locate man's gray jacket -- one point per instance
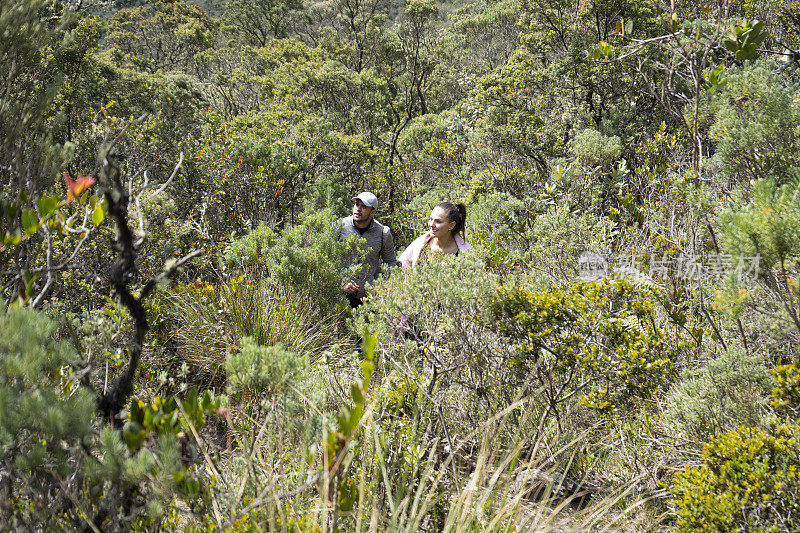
(378, 248)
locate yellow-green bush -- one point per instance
(749, 481)
(600, 340)
(786, 394)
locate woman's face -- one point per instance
(439, 224)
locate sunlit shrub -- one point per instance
(763, 238)
(307, 258)
(749, 481)
(553, 238)
(786, 393)
(595, 149)
(426, 321)
(257, 370)
(599, 340)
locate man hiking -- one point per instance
(378, 248)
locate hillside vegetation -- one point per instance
(618, 352)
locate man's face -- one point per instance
(362, 213)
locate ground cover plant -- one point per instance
(618, 351)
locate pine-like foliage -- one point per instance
(61, 467)
(43, 422)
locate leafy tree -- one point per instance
(165, 35)
(358, 24)
(39, 232)
(407, 63)
(258, 21)
(482, 37)
(30, 159)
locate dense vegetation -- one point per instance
(619, 350)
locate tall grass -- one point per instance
(515, 481)
(202, 324)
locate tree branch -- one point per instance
(122, 272)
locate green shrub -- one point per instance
(42, 425)
(249, 251)
(426, 320)
(278, 389)
(200, 324)
(726, 393)
(499, 179)
(257, 370)
(755, 123)
(305, 259)
(786, 393)
(599, 340)
(749, 481)
(63, 467)
(763, 238)
(766, 225)
(554, 238)
(595, 149)
(497, 221)
(436, 291)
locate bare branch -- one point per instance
(169, 180)
(168, 272)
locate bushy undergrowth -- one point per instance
(201, 324)
(728, 392)
(749, 481)
(62, 467)
(427, 322)
(599, 340)
(786, 393)
(305, 258)
(34, 411)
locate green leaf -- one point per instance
(190, 403)
(603, 51)
(190, 487)
(47, 205)
(744, 39)
(147, 419)
(98, 214)
(136, 413)
(355, 391)
(134, 435)
(30, 221)
(30, 279)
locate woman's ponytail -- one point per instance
(456, 212)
